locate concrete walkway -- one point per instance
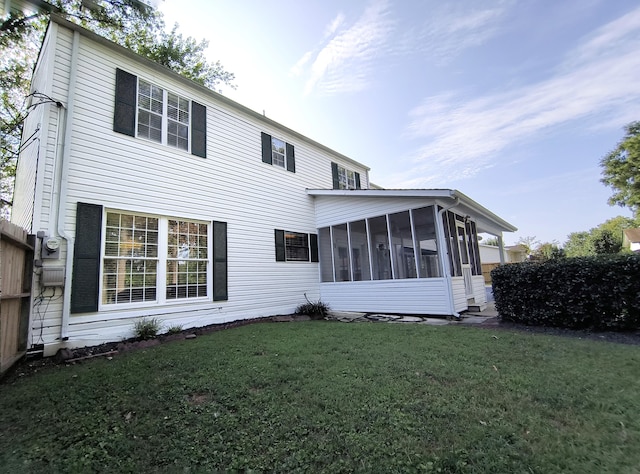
(469, 317)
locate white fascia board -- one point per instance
(490, 221)
(385, 193)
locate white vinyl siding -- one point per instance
(148, 178)
(416, 296)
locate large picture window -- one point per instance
(139, 249)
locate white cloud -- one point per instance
(345, 59)
(598, 79)
(334, 25)
(452, 27)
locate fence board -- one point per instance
(16, 259)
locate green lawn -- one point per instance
(332, 397)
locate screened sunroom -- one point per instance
(402, 251)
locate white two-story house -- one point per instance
(153, 196)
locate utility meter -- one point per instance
(51, 247)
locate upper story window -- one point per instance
(145, 110)
(163, 116)
(278, 153)
(344, 178)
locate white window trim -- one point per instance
(161, 274)
(284, 154)
(165, 116)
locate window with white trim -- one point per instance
(149, 258)
(278, 152)
(344, 178)
(187, 259)
(163, 116)
(142, 109)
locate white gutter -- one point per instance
(62, 199)
(445, 261)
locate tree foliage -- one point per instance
(547, 251)
(621, 169)
(605, 239)
(129, 23)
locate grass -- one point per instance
(330, 397)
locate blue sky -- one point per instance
(512, 102)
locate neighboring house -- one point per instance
(152, 196)
(510, 254)
(631, 239)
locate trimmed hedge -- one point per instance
(600, 293)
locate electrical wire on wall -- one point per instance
(40, 307)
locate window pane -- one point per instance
(359, 251)
(380, 258)
(129, 275)
(341, 253)
(187, 254)
(425, 232)
(278, 152)
(404, 260)
(296, 246)
(324, 248)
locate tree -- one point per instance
(603, 239)
(579, 245)
(528, 243)
(491, 241)
(547, 251)
(621, 169)
(129, 23)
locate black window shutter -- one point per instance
(313, 245)
(334, 173)
(198, 130)
(124, 116)
(281, 254)
(267, 156)
(220, 291)
(357, 180)
(291, 158)
(86, 259)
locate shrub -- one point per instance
(601, 292)
(313, 309)
(175, 329)
(147, 328)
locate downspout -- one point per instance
(62, 199)
(444, 260)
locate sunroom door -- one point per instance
(463, 248)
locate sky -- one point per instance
(512, 102)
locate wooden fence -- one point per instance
(486, 271)
(16, 267)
